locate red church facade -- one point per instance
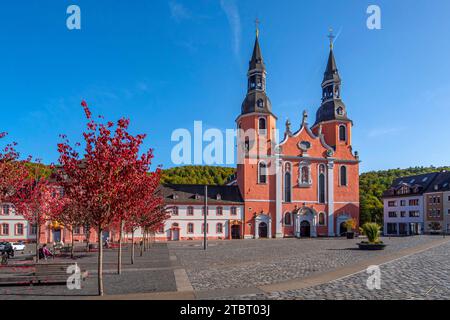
(307, 185)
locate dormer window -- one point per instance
(197, 197)
(218, 197)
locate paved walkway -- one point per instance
(275, 269)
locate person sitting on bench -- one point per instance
(45, 252)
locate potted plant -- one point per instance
(372, 231)
(350, 225)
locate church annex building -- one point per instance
(313, 191)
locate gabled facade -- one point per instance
(308, 184)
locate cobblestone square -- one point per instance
(411, 268)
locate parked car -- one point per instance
(18, 246)
(6, 247)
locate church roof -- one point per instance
(195, 194)
(257, 61)
(331, 72)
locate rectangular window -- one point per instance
(392, 203)
(392, 214)
(414, 202)
(33, 229)
(76, 230)
(6, 210)
(403, 203)
(414, 214)
(392, 228)
(175, 211)
(233, 211)
(219, 211)
(190, 211)
(5, 229)
(19, 229)
(403, 214)
(203, 228)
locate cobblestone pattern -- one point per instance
(253, 263)
(422, 276)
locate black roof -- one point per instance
(440, 183)
(257, 61)
(195, 194)
(331, 72)
(329, 111)
(251, 102)
(418, 184)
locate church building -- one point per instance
(306, 185)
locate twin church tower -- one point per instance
(307, 185)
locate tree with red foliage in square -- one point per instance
(38, 200)
(104, 178)
(13, 171)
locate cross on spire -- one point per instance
(331, 36)
(257, 22)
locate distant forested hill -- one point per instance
(373, 184)
(197, 175)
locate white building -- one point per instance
(404, 205)
(14, 227)
(186, 206)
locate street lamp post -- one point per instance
(205, 228)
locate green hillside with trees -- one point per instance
(197, 175)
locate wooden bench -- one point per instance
(39, 274)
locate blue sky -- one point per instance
(165, 64)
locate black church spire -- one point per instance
(256, 99)
(332, 107)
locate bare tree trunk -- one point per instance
(73, 242)
(119, 257)
(132, 246)
(100, 262)
(38, 233)
(88, 235)
(144, 239)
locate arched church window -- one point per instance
(305, 175)
(287, 187)
(247, 146)
(287, 219)
(321, 183)
(262, 172)
(342, 133)
(343, 175)
(322, 219)
(262, 124)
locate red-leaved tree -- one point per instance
(100, 180)
(13, 172)
(38, 200)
